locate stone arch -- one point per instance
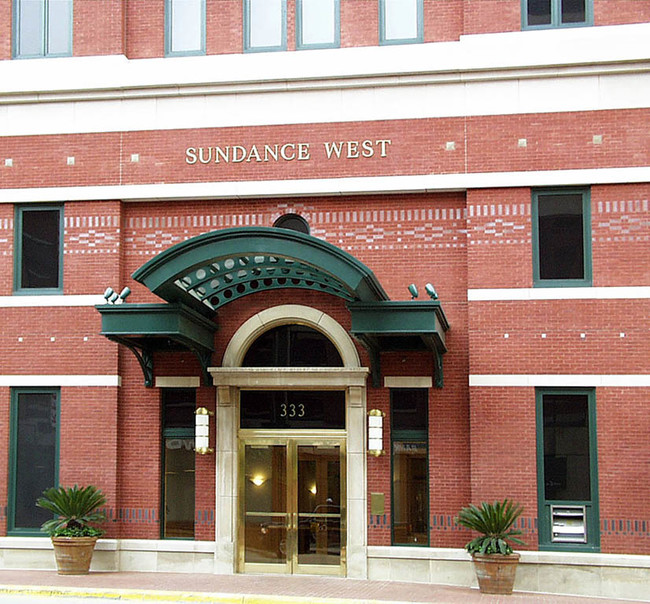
(285, 314)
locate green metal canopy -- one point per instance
(214, 269)
(199, 276)
(146, 328)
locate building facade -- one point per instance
(293, 281)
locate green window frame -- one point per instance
(251, 14)
(559, 456)
(556, 10)
(178, 462)
(182, 16)
(26, 435)
(408, 442)
(38, 261)
(574, 246)
(302, 24)
(42, 28)
(385, 9)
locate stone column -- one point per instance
(226, 483)
(357, 499)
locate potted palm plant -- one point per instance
(494, 561)
(72, 536)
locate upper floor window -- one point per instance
(265, 25)
(539, 14)
(561, 226)
(184, 27)
(38, 264)
(401, 21)
(318, 24)
(42, 28)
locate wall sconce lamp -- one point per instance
(376, 432)
(202, 431)
(258, 480)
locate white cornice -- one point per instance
(548, 50)
(370, 185)
(512, 294)
(577, 69)
(561, 380)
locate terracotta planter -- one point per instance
(73, 554)
(495, 572)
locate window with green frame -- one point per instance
(178, 406)
(544, 14)
(33, 456)
(409, 466)
(561, 229)
(184, 27)
(567, 469)
(265, 25)
(42, 28)
(401, 21)
(318, 24)
(38, 259)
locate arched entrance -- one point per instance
(202, 277)
(290, 449)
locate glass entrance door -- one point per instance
(292, 506)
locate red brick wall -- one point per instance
(623, 462)
(89, 442)
(546, 337)
(621, 234)
(554, 141)
(503, 451)
(443, 20)
(615, 12)
(139, 454)
(6, 34)
(224, 27)
(492, 16)
(145, 28)
(359, 23)
(98, 27)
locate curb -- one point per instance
(175, 596)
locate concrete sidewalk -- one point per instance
(253, 589)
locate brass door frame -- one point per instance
(291, 439)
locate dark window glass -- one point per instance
(539, 12)
(178, 407)
(292, 346)
(293, 409)
(566, 447)
(292, 222)
(561, 240)
(40, 249)
(36, 452)
(574, 11)
(178, 516)
(410, 493)
(409, 408)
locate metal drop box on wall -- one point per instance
(569, 524)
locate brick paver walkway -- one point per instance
(242, 588)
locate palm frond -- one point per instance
(495, 521)
(75, 507)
